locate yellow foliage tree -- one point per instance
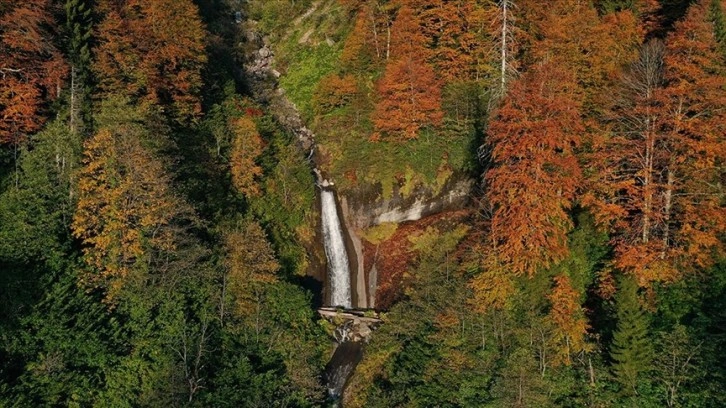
(569, 319)
(251, 265)
(246, 149)
(125, 209)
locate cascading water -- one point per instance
(338, 266)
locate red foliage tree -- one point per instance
(31, 70)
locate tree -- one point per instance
(692, 213)
(32, 70)
(535, 172)
(655, 181)
(716, 15)
(571, 33)
(675, 361)
(78, 30)
(628, 157)
(494, 286)
(409, 92)
(457, 33)
(154, 51)
(246, 149)
(360, 48)
(613, 6)
(504, 33)
(568, 317)
(252, 266)
(126, 213)
(335, 91)
(631, 349)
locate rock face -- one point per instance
(262, 78)
(421, 203)
(350, 337)
(362, 211)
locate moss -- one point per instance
(379, 233)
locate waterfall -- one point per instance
(338, 267)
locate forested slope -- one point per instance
(159, 231)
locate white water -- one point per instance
(338, 266)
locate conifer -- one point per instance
(631, 349)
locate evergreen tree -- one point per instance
(631, 350)
(612, 6)
(78, 31)
(716, 15)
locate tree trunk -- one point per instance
(503, 79)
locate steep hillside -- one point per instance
(362, 203)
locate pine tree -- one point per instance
(716, 15)
(78, 32)
(631, 349)
(612, 6)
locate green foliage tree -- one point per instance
(675, 363)
(78, 31)
(716, 15)
(631, 349)
(612, 6)
(34, 215)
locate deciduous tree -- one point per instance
(32, 68)
(153, 50)
(656, 184)
(409, 92)
(535, 172)
(247, 147)
(126, 213)
(569, 318)
(252, 268)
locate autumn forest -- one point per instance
(362, 203)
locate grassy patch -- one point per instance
(303, 73)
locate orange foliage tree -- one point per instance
(153, 50)
(594, 48)
(247, 145)
(656, 183)
(409, 92)
(31, 68)
(457, 32)
(335, 91)
(362, 47)
(693, 214)
(535, 172)
(569, 318)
